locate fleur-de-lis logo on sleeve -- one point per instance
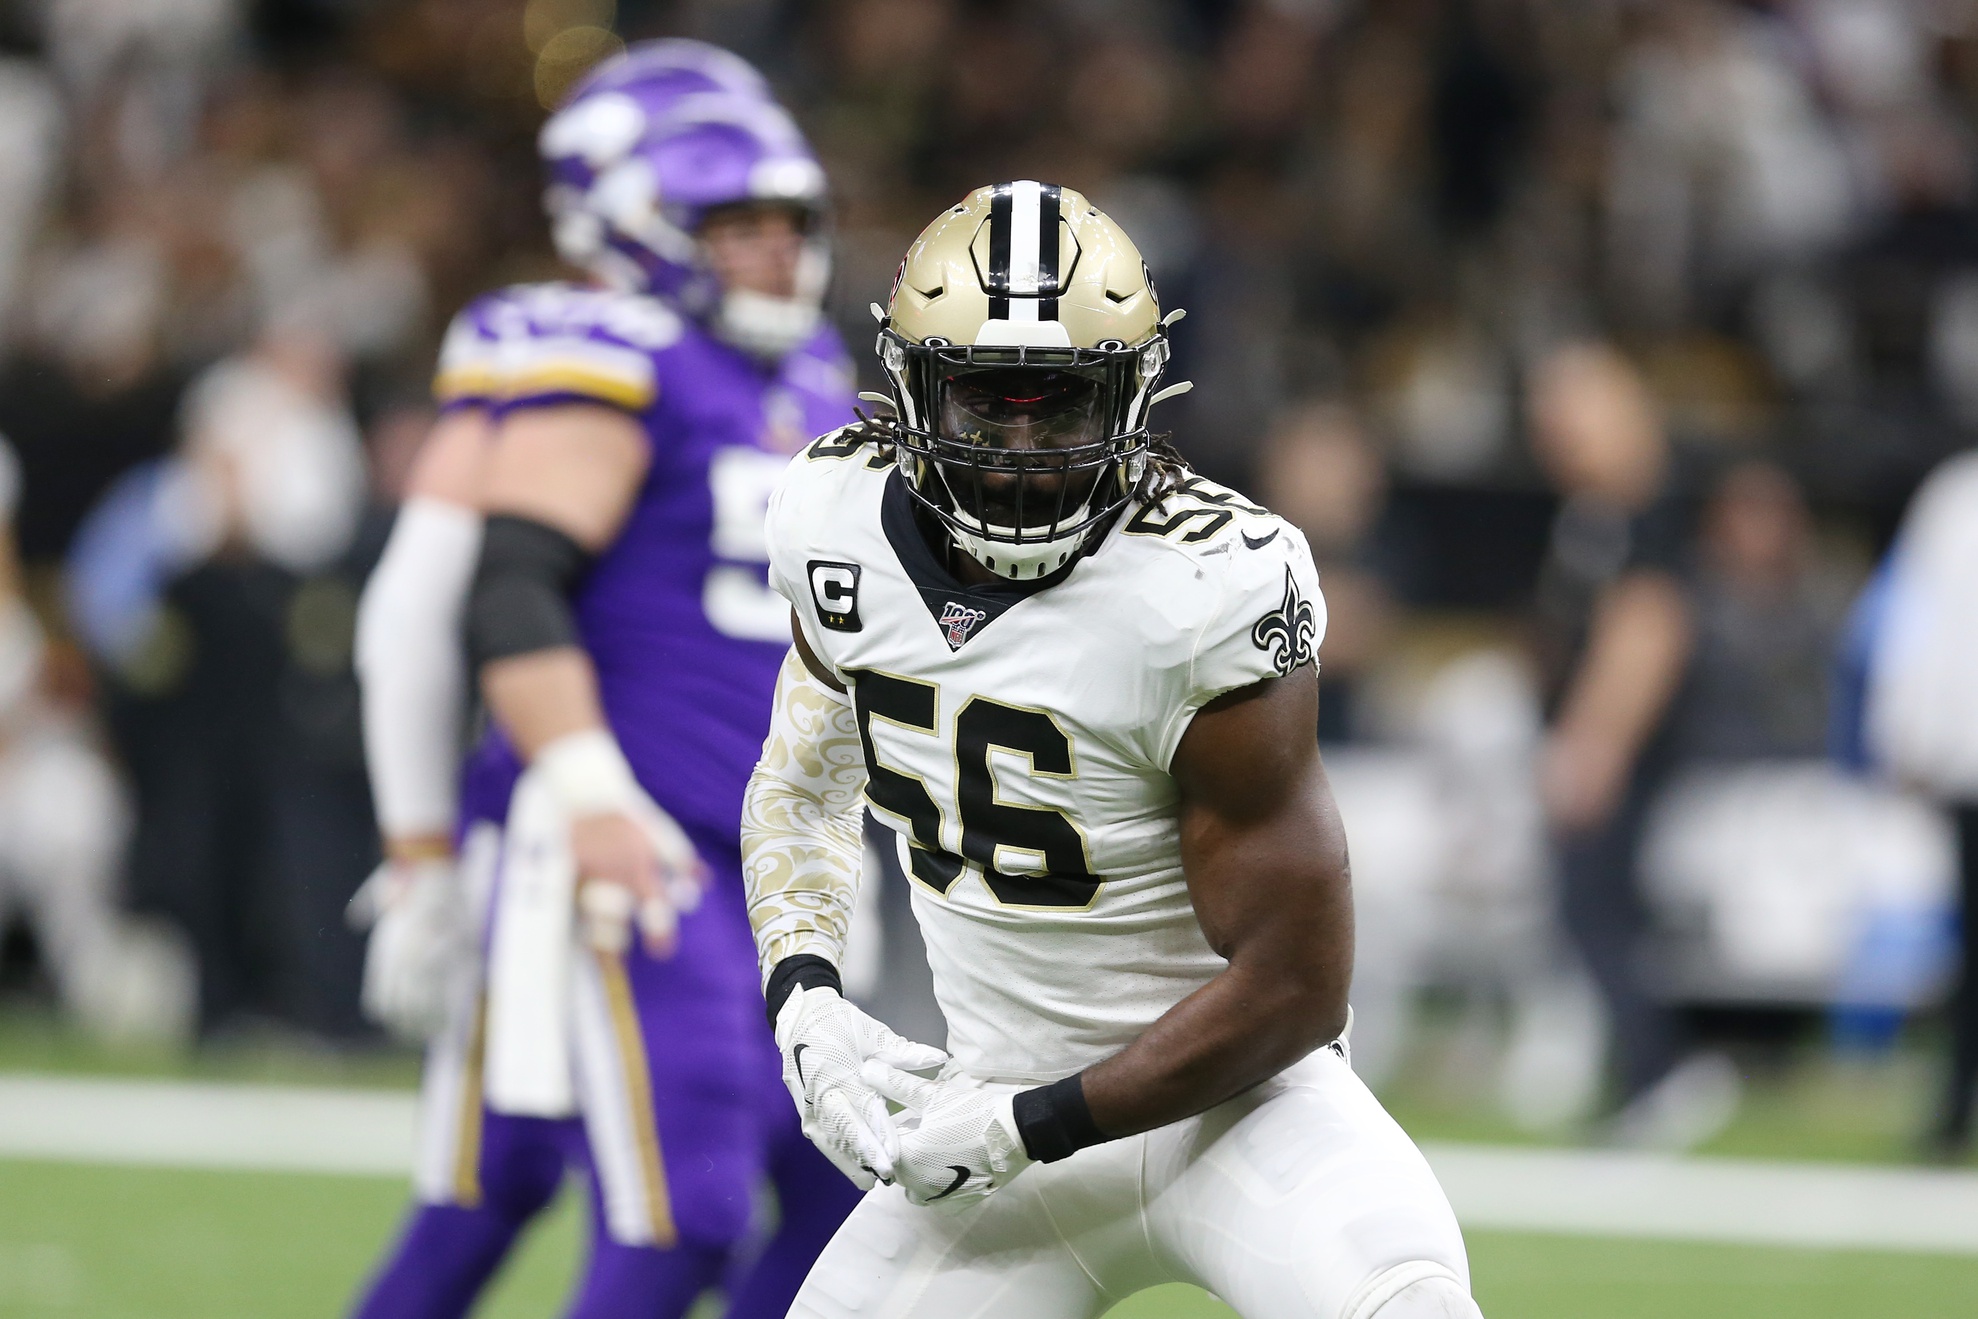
(1286, 632)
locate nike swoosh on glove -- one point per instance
(963, 1144)
(422, 956)
(825, 1041)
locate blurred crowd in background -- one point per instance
(1597, 345)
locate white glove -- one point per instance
(825, 1041)
(957, 1144)
(422, 954)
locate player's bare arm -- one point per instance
(451, 465)
(564, 473)
(559, 484)
(1265, 857)
(575, 468)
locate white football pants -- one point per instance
(1301, 1199)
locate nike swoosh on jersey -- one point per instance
(1258, 542)
(961, 1175)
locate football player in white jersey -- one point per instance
(1079, 683)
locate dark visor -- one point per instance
(1016, 409)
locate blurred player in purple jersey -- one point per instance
(588, 515)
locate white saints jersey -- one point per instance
(1018, 736)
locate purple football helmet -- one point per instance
(640, 154)
(675, 66)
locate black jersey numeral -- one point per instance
(838, 444)
(990, 826)
(1194, 509)
(1148, 523)
(911, 705)
(989, 823)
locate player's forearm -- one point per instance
(1265, 854)
(1274, 895)
(802, 823)
(548, 704)
(1242, 1028)
(541, 697)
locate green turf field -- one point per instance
(121, 1243)
(130, 1243)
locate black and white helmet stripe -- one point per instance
(1023, 278)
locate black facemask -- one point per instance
(1031, 438)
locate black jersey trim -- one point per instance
(946, 596)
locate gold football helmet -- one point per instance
(1024, 342)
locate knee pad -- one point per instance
(1416, 1290)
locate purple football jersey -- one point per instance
(677, 613)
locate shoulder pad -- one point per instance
(1273, 615)
(586, 344)
(468, 371)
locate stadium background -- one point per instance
(230, 233)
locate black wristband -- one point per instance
(1054, 1121)
(520, 601)
(804, 971)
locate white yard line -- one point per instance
(1578, 1192)
(187, 1124)
(1606, 1194)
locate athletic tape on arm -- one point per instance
(803, 822)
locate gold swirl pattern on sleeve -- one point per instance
(802, 818)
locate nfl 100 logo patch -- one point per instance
(960, 620)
